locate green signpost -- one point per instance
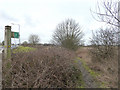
(15, 35)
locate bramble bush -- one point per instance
(49, 67)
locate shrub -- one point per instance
(68, 34)
(43, 68)
(103, 43)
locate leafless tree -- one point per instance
(107, 11)
(34, 39)
(103, 44)
(68, 34)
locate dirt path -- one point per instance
(88, 79)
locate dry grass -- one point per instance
(108, 69)
(48, 67)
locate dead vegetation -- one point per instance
(103, 44)
(48, 67)
(108, 70)
(104, 55)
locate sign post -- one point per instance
(7, 55)
(7, 45)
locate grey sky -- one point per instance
(42, 16)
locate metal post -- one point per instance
(7, 42)
(19, 31)
(19, 34)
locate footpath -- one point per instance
(89, 81)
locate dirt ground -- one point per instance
(108, 70)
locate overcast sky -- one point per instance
(42, 16)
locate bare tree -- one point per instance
(34, 39)
(68, 34)
(107, 11)
(103, 44)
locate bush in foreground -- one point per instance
(43, 68)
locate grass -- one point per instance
(92, 73)
(80, 80)
(103, 84)
(8, 65)
(23, 49)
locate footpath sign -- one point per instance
(14, 34)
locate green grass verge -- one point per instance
(23, 49)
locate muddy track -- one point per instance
(89, 81)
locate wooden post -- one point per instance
(7, 42)
(6, 75)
